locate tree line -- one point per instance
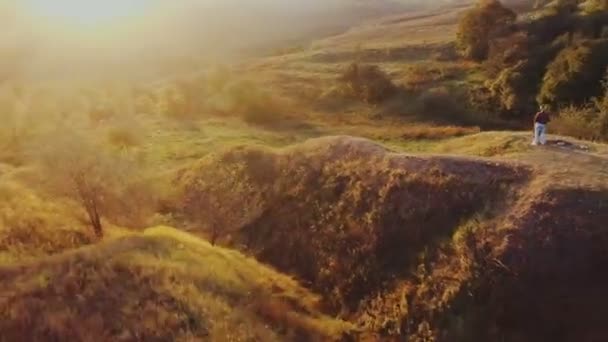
(556, 55)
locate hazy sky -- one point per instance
(51, 35)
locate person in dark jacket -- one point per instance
(541, 120)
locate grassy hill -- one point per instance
(418, 51)
(353, 215)
(160, 285)
(444, 240)
(417, 245)
(304, 209)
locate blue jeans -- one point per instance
(540, 131)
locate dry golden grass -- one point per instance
(393, 130)
(332, 203)
(352, 215)
(487, 144)
(161, 285)
(427, 27)
(405, 245)
(185, 285)
(31, 227)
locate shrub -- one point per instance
(488, 20)
(78, 168)
(420, 76)
(32, 227)
(589, 122)
(512, 91)
(219, 93)
(440, 104)
(367, 83)
(515, 70)
(243, 98)
(594, 22)
(506, 52)
(481, 100)
(204, 197)
(595, 6)
(575, 75)
(183, 100)
(125, 135)
(601, 103)
(249, 101)
(553, 22)
(581, 123)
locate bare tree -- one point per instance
(75, 166)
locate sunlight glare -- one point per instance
(88, 12)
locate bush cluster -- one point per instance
(554, 57)
(367, 83)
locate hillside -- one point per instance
(161, 285)
(553, 55)
(466, 238)
(349, 172)
(438, 245)
(351, 213)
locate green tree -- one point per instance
(575, 75)
(511, 90)
(593, 6)
(601, 105)
(514, 73)
(485, 22)
(595, 19)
